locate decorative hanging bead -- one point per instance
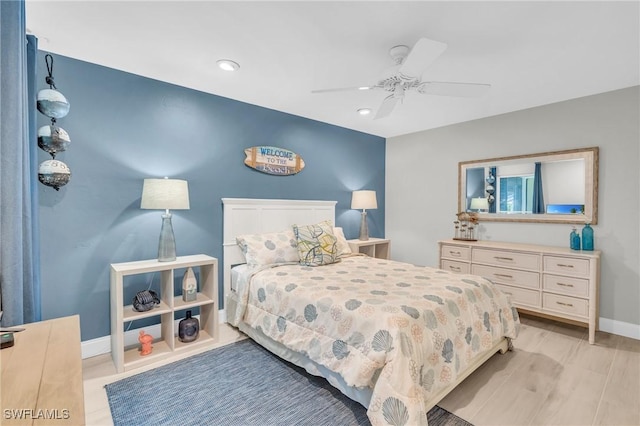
(53, 139)
(54, 173)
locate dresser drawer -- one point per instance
(507, 259)
(456, 252)
(566, 265)
(508, 276)
(453, 266)
(521, 296)
(565, 305)
(566, 285)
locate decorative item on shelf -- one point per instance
(465, 226)
(165, 194)
(145, 301)
(574, 239)
(587, 237)
(52, 138)
(189, 286)
(365, 199)
(145, 343)
(188, 328)
(273, 160)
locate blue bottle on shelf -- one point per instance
(574, 240)
(587, 237)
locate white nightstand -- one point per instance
(373, 247)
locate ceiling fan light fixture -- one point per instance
(227, 65)
(364, 111)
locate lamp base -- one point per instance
(167, 244)
(364, 230)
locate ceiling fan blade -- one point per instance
(463, 90)
(388, 104)
(343, 89)
(424, 52)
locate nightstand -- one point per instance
(373, 247)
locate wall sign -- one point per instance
(273, 161)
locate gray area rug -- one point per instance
(240, 384)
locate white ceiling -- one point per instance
(532, 53)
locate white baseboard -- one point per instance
(102, 345)
(620, 328)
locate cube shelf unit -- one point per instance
(168, 344)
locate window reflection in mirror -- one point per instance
(567, 181)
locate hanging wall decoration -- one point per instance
(273, 160)
(51, 138)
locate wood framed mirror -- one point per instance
(507, 189)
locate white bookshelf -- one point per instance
(167, 344)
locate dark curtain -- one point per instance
(19, 245)
(538, 198)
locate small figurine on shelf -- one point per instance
(189, 286)
(145, 343)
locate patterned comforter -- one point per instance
(404, 330)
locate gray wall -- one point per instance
(421, 182)
(125, 128)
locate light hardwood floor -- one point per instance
(552, 377)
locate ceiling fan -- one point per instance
(407, 76)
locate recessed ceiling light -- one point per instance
(364, 111)
(227, 65)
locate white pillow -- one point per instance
(270, 248)
(342, 245)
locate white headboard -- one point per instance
(256, 216)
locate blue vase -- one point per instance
(587, 237)
(574, 240)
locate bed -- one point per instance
(393, 336)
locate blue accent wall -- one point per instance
(124, 128)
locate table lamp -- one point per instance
(165, 194)
(364, 200)
(478, 204)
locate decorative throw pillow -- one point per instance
(342, 245)
(316, 243)
(269, 248)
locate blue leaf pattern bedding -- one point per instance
(404, 330)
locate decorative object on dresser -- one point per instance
(165, 194)
(168, 342)
(189, 286)
(364, 199)
(587, 237)
(465, 226)
(554, 282)
(373, 247)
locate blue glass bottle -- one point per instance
(574, 240)
(587, 237)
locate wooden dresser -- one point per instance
(42, 375)
(554, 282)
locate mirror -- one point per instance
(553, 187)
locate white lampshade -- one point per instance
(479, 204)
(364, 200)
(165, 194)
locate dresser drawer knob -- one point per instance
(454, 268)
(455, 253)
(565, 285)
(507, 259)
(562, 265)
(565, 304)
(504, 276)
